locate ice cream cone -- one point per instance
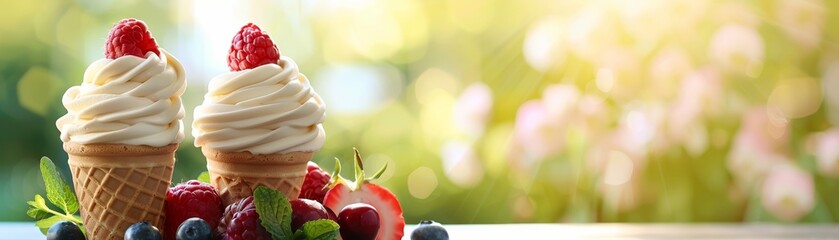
(236, 174)
(118, 185)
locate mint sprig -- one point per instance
(274, 212)
(59, 194)
(322, 229)
(58, 191)
(275, 216)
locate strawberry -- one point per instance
(344, 192)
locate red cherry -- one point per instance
(304, 210)
(359, 221)
(332, 215)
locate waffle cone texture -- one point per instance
(236, 174)
(118, 185)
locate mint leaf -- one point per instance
(204, 177)
(274, 212)
(58, 191)
(321, 229)
(38, 208)
(299, 234)
(36, 214)
(45, 224)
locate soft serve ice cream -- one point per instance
(128, 100)
(122, 128)
(268, 109)
(263, 106)
(259, 124)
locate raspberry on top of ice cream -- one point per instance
(264, 106)
(132, 96)
(130, 37)
(251, 47)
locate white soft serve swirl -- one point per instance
(266, 110)
(129, 100)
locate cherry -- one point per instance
(359, 221)
(304, 210)
(332, 215)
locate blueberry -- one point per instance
(64, 230)
(142, 231)
(429, 230)
(194, 229)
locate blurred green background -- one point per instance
(492, 111)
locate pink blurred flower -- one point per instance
(640, 128)
(461, 164)
(701, 93)
(788, 192)
(592, 117)
(543, 126)
(617, 170)
(536, 131)
(472, 108)
(621, 69)
(830, 81)
(759, 145)
(738, 48)
(764, 130)
(749, 164)
(825, 146)
(668, 68)
(561, 101)
(802, 20)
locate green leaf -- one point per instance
(36, 213)
(204, 177)
(39, 209)
(274, 212)
(38, 202)
(58, 191)
(379, 173)
(299, 234)
(359, 166)
(45, 224)
(322, 229)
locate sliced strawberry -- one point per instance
(390, 213)
(344, 192)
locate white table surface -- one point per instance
(27, 231)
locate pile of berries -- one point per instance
(194, 211)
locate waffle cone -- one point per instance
(236, 174)
(118, 185)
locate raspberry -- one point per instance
(188, 200)
(313, 183)
(312, 166)
(251, 47)
(242, 222)
(130, 37)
